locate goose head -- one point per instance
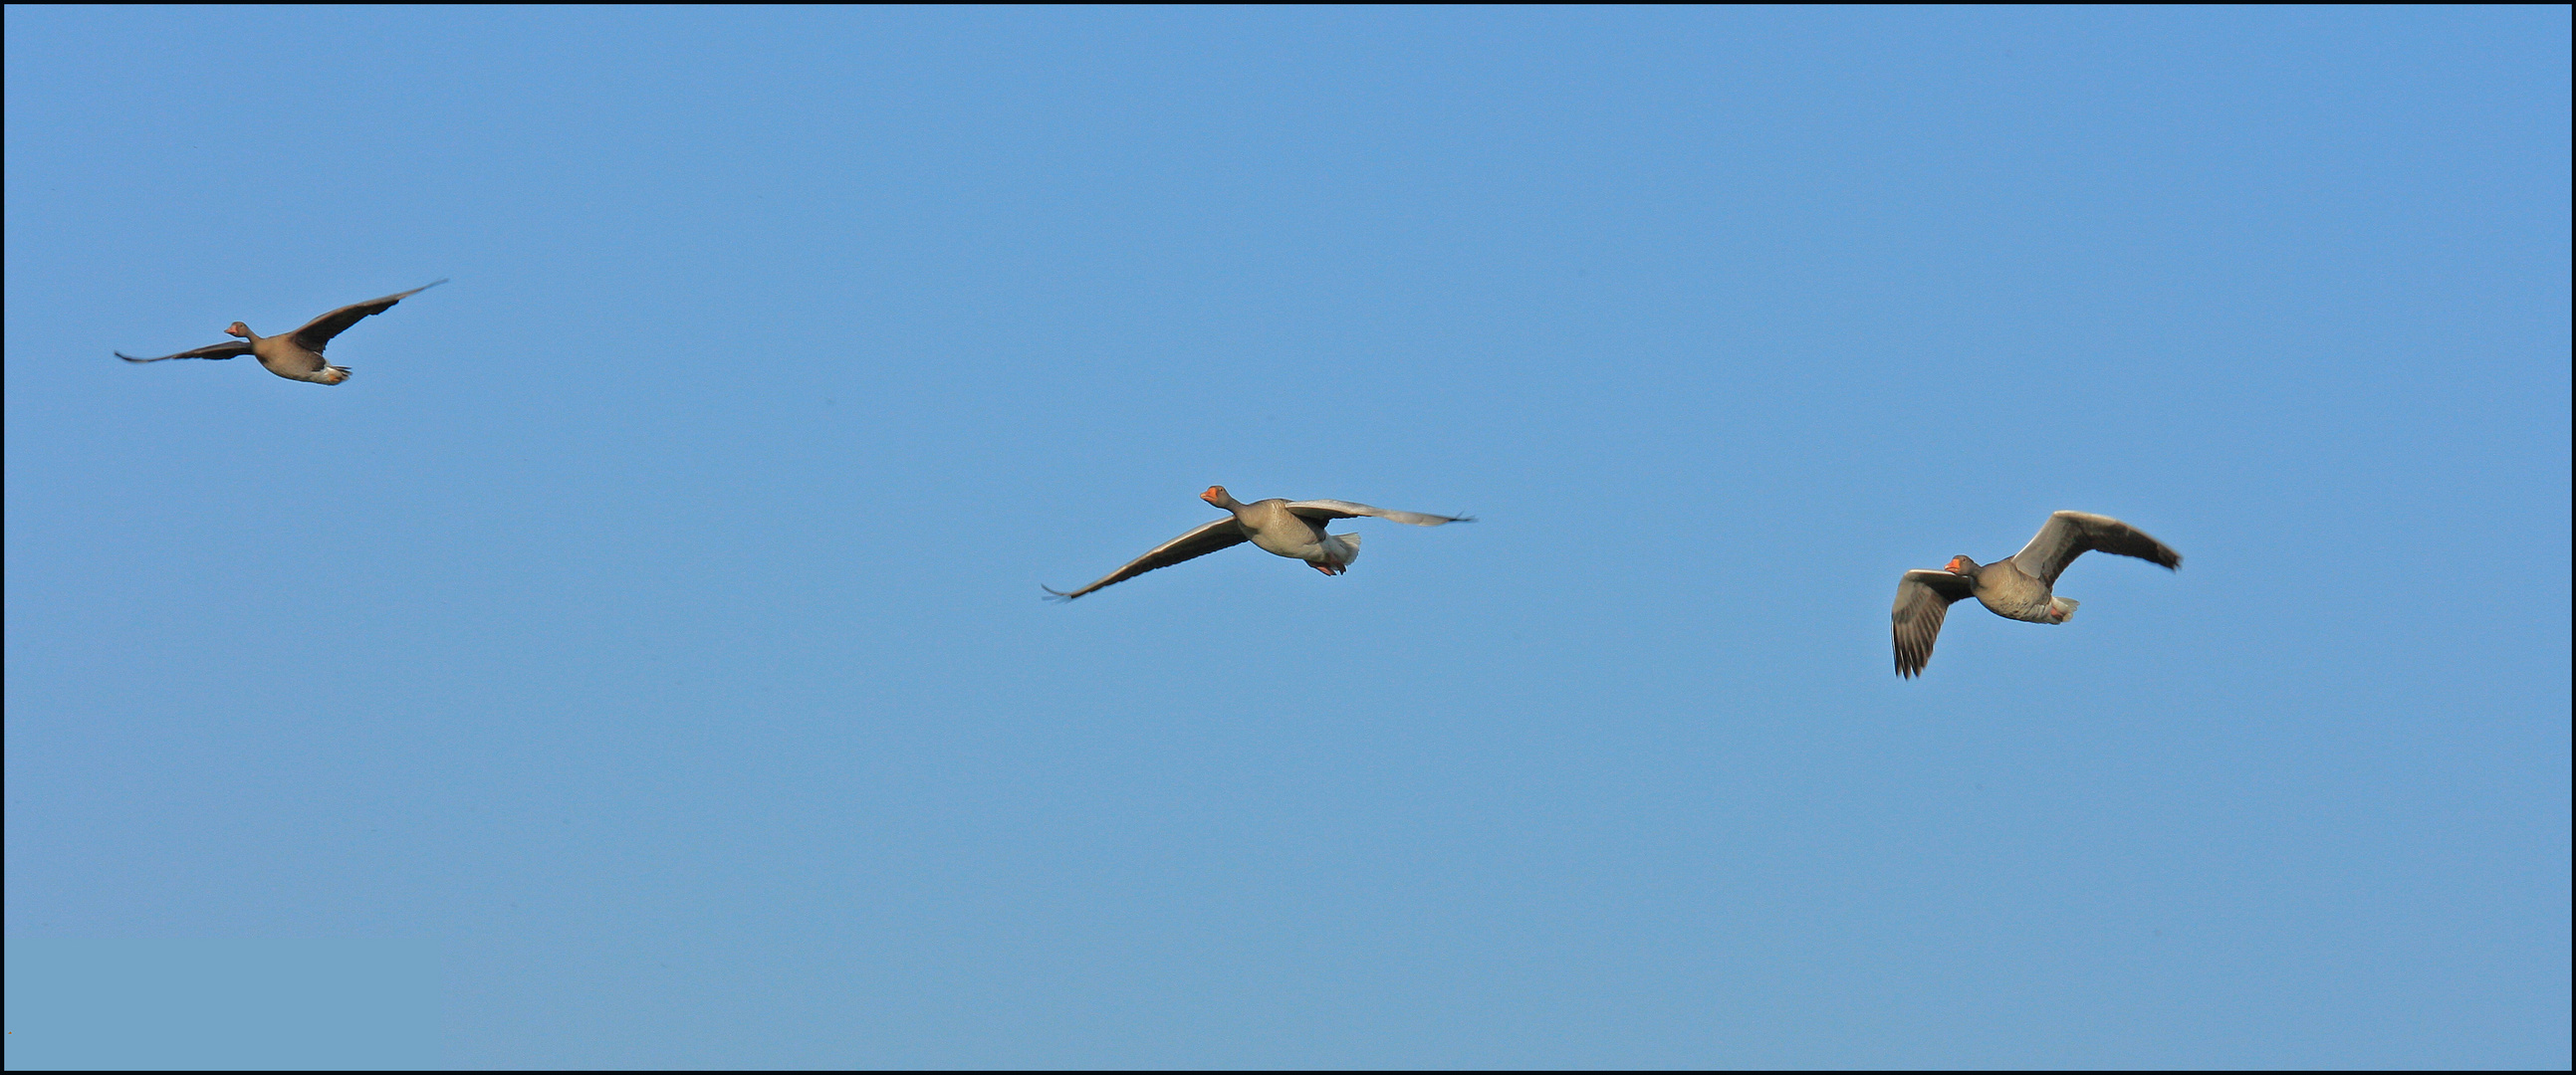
(1961, 565)
(238, 329)
(1217, 495)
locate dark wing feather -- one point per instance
(212, 350)
(318, 332)
(1923, 599)
(2069, 534)
(1207, 538)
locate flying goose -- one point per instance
(1294, 529)
(2021, 588)
(296, 356)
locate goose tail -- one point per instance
(1343, 548)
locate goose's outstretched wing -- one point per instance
(318, 332)
(1207, 538)
(2069, 534)
(1923, 599)
(212, 350)
(1320, 510)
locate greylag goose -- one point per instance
(296, 356)
(1290, 528)
(2021, 588)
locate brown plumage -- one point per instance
(296, 356)
(1294, 529)
(2020, 588)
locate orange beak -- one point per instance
(1214, 493)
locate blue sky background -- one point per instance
(234, 1003)
(653, 619)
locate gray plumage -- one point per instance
(2022, 587)
(1294, 529)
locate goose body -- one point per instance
(1289, 528)
(2022, 587)
(296, 356)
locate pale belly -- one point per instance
(2016, 598)
(287, 360)
(1280, 532)
(1296, 542)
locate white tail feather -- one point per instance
(2059, 608)
(1343, 547)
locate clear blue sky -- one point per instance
(654, 619)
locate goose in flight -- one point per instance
(1290, 528)
(296, 356)
(2021, 588)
